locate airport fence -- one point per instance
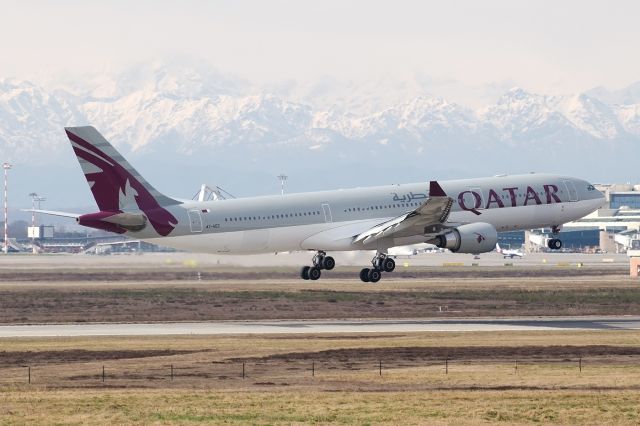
(148, 372)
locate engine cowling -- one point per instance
(473, 238)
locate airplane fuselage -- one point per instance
(328, 220)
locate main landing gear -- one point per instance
(320, 261)
(555, 243)
(381, 263)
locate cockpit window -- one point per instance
(591, 188)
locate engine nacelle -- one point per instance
(472, 238)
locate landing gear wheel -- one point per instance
(388, 264)
(304, 272)
(377, 262)
(374, 275)
(364, 275)
(328, 263)
(314, 273)
(554, 244)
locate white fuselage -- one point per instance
(329, 220)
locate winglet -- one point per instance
(435, 190)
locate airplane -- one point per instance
(463, 216)
(510, 253)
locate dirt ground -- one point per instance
(407, 362)
(391, 356)
(164, 294)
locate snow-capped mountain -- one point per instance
(208, 125)
(31, 119)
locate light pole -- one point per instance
(6, 167)
(282, 178)
(35, 198)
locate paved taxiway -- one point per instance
(324, 326)
(295, 259)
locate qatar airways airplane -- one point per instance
(463, 216)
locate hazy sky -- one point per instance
(546, 46)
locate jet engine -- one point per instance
(472, 238)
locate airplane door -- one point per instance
(571, 190)
(195, 221)
(327, 213)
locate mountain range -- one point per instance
(186, 125)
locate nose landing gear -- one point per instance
(320, 261)
(555, 243)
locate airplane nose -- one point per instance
(602, 199)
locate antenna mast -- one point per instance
(6, 167)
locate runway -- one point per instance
(323, 326)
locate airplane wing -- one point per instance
(428, 219)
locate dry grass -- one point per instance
(208, 388)
(262, 407)
(240, 346)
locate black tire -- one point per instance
(374, 275)
(364, 275)
(328, 263)
(554, 244)
(389, 265)
(314, 273)
(304, 272)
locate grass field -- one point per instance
(346, 387)
(448, 378)
(281, 407)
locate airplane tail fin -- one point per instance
(498, 249)
(117, 187)
(115, 184)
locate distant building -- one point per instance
(618, 221)
(614, 227)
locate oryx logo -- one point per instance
(479, 237)
(116, 188)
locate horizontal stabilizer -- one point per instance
(53, 213)
(109, 221)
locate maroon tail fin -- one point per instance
(115, 184)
